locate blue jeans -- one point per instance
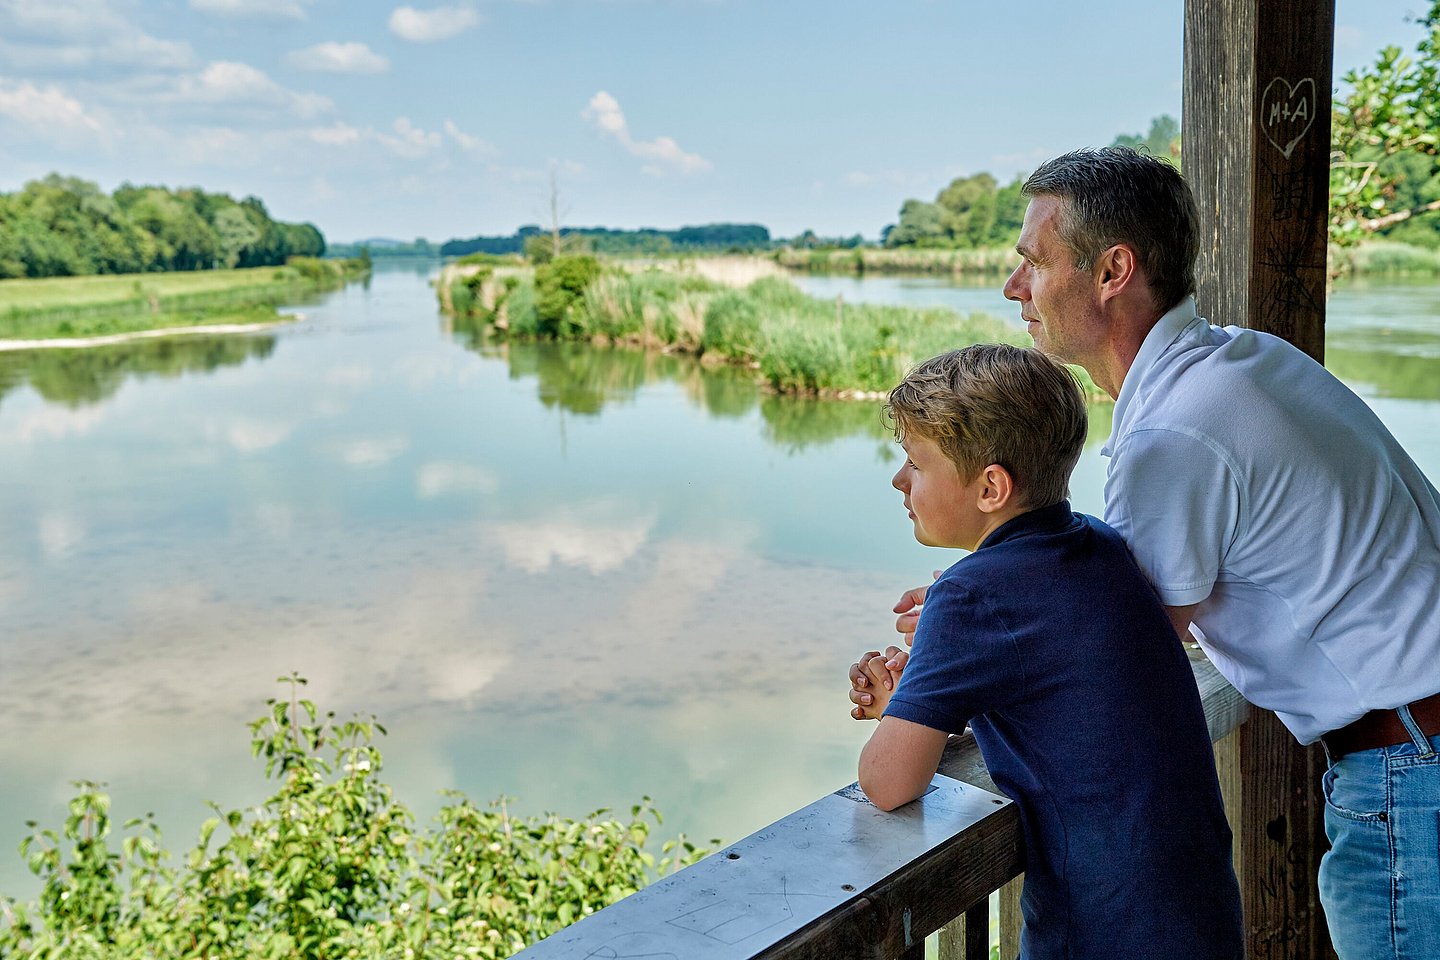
(1380, 881)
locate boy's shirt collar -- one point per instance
(1049, 519)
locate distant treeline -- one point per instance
(381, 248)
(712, 236)
(975, 212)
(64, 226)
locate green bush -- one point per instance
(522, 319)
(462, 298)
(559, 285)
(331, 865)
(313, 268)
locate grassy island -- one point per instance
(79, 308)
(797, 344)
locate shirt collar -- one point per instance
(1055, 517)
(1165, 332)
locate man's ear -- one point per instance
(1116, 270)
(997, 489)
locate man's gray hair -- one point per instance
(1119, 195)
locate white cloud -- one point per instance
(597, 547)
(228, 81)
(55, 421)
(410, 141)
(267, 9)
(250, 436)
(439, 478)
(335, 57)
(373, 451)
(428, 26)
(80, 35)
(336, 135)
(355, 375)
(663, 153)
(46, 109)
(468, 143)
(215, 144)
(59, 533)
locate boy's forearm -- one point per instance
(898, 761)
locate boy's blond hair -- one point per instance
(994, 403)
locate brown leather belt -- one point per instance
(1382, 728)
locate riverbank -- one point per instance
(989, 262)
(1373, 258)
(1383, 258)
(68, 343)
(796, 344)
(87, 311)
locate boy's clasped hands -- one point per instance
(874, 676)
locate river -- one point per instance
(565, 575)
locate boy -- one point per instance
(1051, 645)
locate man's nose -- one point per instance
(1012, 286)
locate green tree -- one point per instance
(1163, 140)
(184, 239)
(969, 210)
(921, 225)
(559, 287)
(234, 233)
(1385, 132)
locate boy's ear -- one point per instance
(997, 491)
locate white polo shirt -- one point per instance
(1249, 480)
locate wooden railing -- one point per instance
(840, 878)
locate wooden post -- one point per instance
(967, 937)
(1011, 921)
(1256, 151)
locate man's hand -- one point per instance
(871, 683)
(909, 610)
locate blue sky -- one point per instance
(445, 119)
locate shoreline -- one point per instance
(58, 343)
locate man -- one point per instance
(1270, 509)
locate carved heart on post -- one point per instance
(1286, 112)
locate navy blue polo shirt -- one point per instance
(1051, 645)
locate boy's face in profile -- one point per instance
(943, 504)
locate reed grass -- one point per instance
(989, 261)
(800, 345)
(1385, 258)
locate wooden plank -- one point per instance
(967, 937)
(1257, 140)
(911, 870)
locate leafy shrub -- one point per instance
(518, 301)
(462, 298)
(559, 285)
(331, 865)
(313, 268)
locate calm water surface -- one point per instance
(566, 575)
